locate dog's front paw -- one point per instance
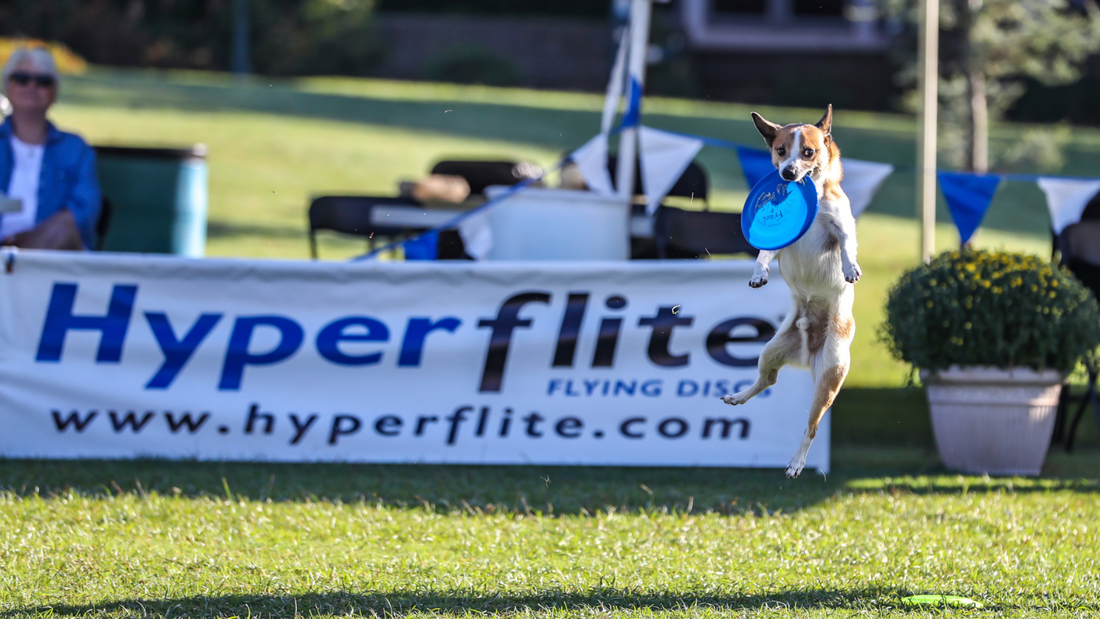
(853, 273)
(759, 280)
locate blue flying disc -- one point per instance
(778, 212)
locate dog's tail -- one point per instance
(803, 325)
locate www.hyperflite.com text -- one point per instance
(463, 423)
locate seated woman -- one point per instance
(50, 172)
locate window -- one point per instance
(819, 8)
(741, 7)
(782, 25)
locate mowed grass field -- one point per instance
(156, 539)
(188, 539)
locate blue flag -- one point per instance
(633, 114)
(423, 247)
(968, 196)
(755, 163)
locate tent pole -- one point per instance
(926, 140)
(636, 63)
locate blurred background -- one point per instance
(855, 54)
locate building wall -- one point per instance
(852, 81)
(575, 54)
(557, 53)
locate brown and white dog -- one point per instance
(820, 269)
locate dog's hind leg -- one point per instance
(783, 348)
(830, 367)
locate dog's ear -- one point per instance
(826, 123)
(766, 128)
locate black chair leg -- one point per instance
(1089, 398)
(1059, 433)
(1096, 407)
(312, 244)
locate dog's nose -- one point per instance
(788, 174)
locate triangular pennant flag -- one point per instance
(423, 247)
(968, 197)
(1067, 199)
(591, 160)
(476, 235)
(755, 163)
(664, 157)
(861, 180)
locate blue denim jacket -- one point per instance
(68, 178)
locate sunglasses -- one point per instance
(23, 79)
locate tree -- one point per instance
(288, 37)
(989, 49)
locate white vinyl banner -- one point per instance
(122, 356)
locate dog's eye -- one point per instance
(809, 152)
(782, 152)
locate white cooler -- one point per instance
(558, 224)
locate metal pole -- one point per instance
(628, 142)
(926, 141)
(240, 61)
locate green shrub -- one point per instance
(314, 37)
(978, 308)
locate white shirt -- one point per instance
(25, 175)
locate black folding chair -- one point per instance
(352, 215)
(482, 174)
(692, 183)
(1079, 247)
(102, 223)
(696, 234)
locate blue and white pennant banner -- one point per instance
(968, 196)
(665, 155)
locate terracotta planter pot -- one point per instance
(988, 420)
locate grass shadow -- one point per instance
(555, 128)
(534, 490)
(402, 603)
(883, 416)
(221, 229)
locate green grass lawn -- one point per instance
(189, 539)
(158, 539)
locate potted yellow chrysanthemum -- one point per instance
(993, 334)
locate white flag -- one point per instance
(1067, 199)
(862, 180)
(664, 158)
(591, 160)
(476, 235)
